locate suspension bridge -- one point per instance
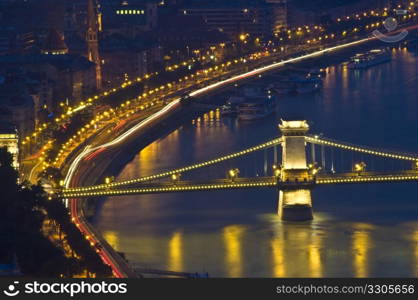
(293, 163)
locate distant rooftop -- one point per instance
(318, 5)
(54, 42)
(118, 42)
(7, 127)
(223, 3)
(68, 61)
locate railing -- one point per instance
(246, 183)
(367, 177)
(265, 145)
(116, 188)
(180, 186)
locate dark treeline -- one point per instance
(23, 211)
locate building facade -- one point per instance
(125, 58)
(302, 12)
(10, 140)
(255, 18)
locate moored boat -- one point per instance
(371, 58)
(257, 108)
(297, 85)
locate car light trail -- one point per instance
(276, 65)
(88, 150)
(104, 254)
(95, 153)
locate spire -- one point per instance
(92, 41)
(91, 16)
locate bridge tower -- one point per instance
(295, 181)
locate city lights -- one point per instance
(103, 85)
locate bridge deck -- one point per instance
(367, 177)
(245, 183)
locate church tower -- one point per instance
(93, 41)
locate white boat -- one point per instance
(371, 58)
(257, 108)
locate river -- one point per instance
(357, 231)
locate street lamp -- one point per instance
(108, 180)
(175, 177)
(233, 174)
(277, 171)
(360, 167)
(314, 169)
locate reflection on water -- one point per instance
(296, 251)
(278, 258)
(358, 230)
(232, 236)
(315, 263)
(361, 248)
(415, 246)
(175, 248)
(112, 238)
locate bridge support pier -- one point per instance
(295, 181)
(295, 205)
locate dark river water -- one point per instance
(357, 231)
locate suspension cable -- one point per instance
(346, 146)
(265, 145)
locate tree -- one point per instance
(8, 183)
(21, 219)
(89, 258)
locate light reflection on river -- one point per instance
(358, 230)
